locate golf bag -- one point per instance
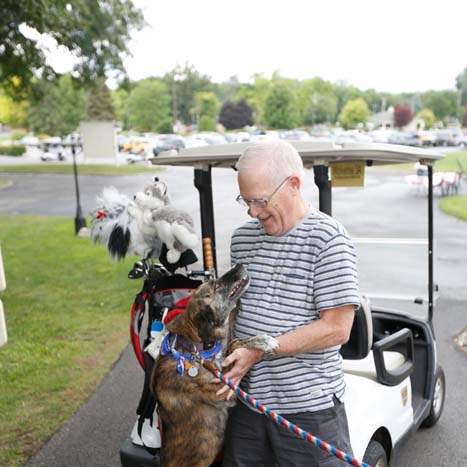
(162, 292)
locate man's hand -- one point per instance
(242, 359)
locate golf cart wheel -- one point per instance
(375, 455)
(437, 404)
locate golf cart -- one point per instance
(394, 381)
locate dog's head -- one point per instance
(153, 196)
(206, 317)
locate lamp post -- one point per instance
(80, 221)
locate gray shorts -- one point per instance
(252, 439)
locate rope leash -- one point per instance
(280, 420)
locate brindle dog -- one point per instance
(193, 417)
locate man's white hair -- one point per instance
(277, 159)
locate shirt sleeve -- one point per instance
(335, 281)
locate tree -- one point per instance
(119, 100)
(96, 32)
(444, 104)
(206, 104)
(236, 115)
(402, 115)
(165, 126)
(461, 85)
(148, 105)
(13, 113)
(354, 112)
(428, 117)
(183, 84)
(206, 123)
(99, 103)
(59, 107)
(316, 101)
(280, 109)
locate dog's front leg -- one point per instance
(262, 342)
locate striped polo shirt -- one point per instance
(293, 277)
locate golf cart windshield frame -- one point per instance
(316, 155)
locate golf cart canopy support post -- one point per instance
(430, 247)
(203, 182)
(325, 190)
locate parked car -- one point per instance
(166, 143)
(406, 138)
(450, 137)
(427, 138)
(52, 150)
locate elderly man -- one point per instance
(303, 291)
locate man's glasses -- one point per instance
(260, 203)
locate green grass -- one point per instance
(455, 206)
(4, 182)
(83, 169)
(447, 164)
(66, 307)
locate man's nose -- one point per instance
(253, 210)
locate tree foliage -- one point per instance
(428, 117)
(119, 100)
(13, 113)
(59, 109)
(183, 84)
(280, 110)
(236, 115)
(402, 115)
(354, 112)
(317, 102)
(206, 123)
(444, 104)
(461, 85)
(148, 105)
(99, 103)
(206, 104)
(96, 32)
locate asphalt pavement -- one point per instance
(386, 207)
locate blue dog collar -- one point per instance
(168, 349)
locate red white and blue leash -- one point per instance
(280, 420)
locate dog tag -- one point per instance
(193, 371)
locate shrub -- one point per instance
(18, 134)
(206, 123)
(164, 126)
(13, 150)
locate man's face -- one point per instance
(279, 215)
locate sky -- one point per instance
(391, 46)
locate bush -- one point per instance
(13, 150)
(18, 134)
(206, 123)
(164, 126)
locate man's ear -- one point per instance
(295, 182)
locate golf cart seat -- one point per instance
(386, 366)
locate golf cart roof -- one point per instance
(312, 152)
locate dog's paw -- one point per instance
(263, 342)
